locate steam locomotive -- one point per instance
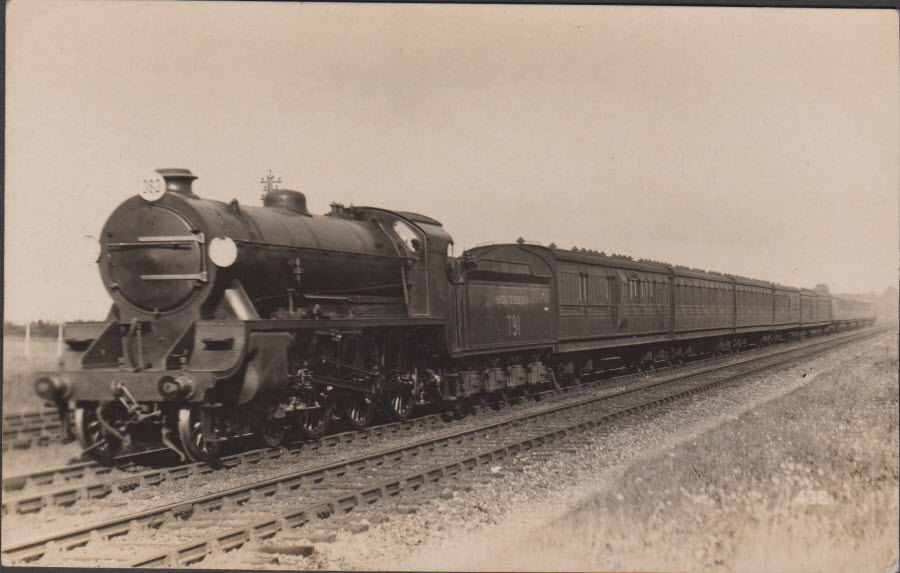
(230, 320)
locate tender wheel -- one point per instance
(359, 412)
(400, 404)
(314, 422)
(271, 427)
(190, 432)
(97, 443)
(452, 411)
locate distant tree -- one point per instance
(822, 288)
(10, 329)
(46, 329)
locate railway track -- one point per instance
(23, 430)
(31, 492)
(19, 419)
(132, 463)
(274, 507)
(88, 480)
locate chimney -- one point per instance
(178, 180)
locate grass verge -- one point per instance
(808, 482)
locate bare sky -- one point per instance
(761, 142)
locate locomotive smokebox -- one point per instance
(178, 180)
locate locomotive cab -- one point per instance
(424, 242)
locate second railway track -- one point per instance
(265, 508)
(24, 430)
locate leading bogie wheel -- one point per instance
(196, 445)
(94, 440)
(271, 426)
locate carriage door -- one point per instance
(415, 273)
(621, 287)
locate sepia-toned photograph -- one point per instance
(450, 287)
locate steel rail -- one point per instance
(22, 430)
(38, 500)
(155, 517)
(370, 493)
(76, 470)
(16, 419)
(80, 470)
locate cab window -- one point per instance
(408, 235)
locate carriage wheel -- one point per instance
(401, 404)
(452, 411)
(97, 443)
(271, 427)
(190, 432)
(359, 412)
